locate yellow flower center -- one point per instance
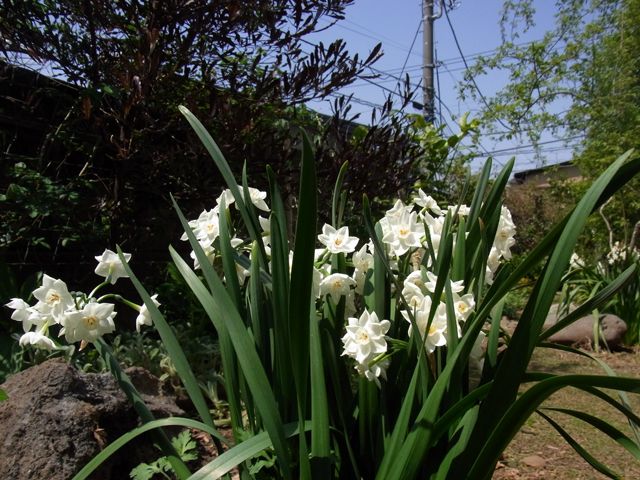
(362, 336)
(337, 242)
(404, 231)
(53, 297)
(91, 322)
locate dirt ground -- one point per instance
(539, 452)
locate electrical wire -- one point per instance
(473, 80)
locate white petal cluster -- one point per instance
(364, 341)
(144, 316)
(402, 230)
(502, 244)
(504, 235)
(418, 289)
(79, 317)
(110, 266)
(620, 252)
(337, 241)
(206, 227)
(89, 323)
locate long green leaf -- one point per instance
(509, 372)
(300, 301)
(238, 454)
(499, 437)
(221, 310)
(337, 205)
(173, 347)
(599, 466)
(121, 441)
(605, 427)
(250, 220)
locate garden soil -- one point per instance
(539, 452)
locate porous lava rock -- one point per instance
(57, 419)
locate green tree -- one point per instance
(580, 80)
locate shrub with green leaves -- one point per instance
(378, 357)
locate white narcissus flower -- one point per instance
(317, 279)
(365, 337)
(413, 294)
(209, 251)
(575, 262)
(265, 224)
(144, 316)
(437, 334)
(398, 209)
(427, 202)
(53, 298)
(90, 323)
(110, 266)
(463, 305)
(336, 285)
(504, 234)
(463, 210)
(373, 371)
(362, 259)
(256, 196)
(493, 262)
(337, 241)
(359, 277)
(402, 231)
(26, 314)
(206, 227)
(434, 230)
(37, 340)
(432, 280)
(227, 196)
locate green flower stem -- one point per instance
(98, 287)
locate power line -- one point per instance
(473, 80)
(548, 142)
(413, 42)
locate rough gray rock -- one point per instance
(581, 332)
(57, 419)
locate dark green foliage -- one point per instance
(244, 67)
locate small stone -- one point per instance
(581, 332)
(534, 461)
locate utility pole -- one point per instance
(428, 62)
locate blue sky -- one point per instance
(394, 24)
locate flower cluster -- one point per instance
(409, 231)
(366, 343)
(619, 253)
(80, 317)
